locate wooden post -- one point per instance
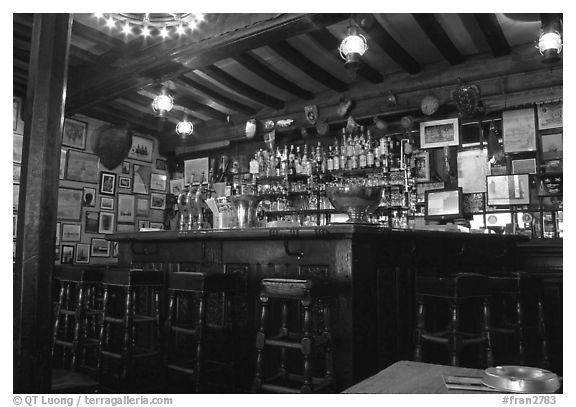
(38, 200)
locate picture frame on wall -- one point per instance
(157, 201)
(100, 247)
(107, 183)
(125, 208)
(106, 222)
(524, 166)
(82, 253)
(82, 167)
(91, 221)
(142, 206)
(141, 181)
(158, 182)
(89, 197)
(176, 186)
(74, 133)
(550, 115)
(518, 130)
(71, 232)
(141, 149)
(17, 140)
(124, 227)
(67, 254)
(106, 203)
(63, 163)
(15, 113)
(142, 224)
(439, 133)
(15, 196)
(16, 170)
(69, 203)
(126, 168)
(421, 166)
(193, 170)
(124, 182)
(160, 164)
(15, 226)
(552, 146)
(472, 167)
(57, 233)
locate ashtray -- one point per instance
(521, 379)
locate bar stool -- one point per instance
(135, 288)
(76, 313)
(187, 316)
(518, 302)
(309, 341)
(458, 291)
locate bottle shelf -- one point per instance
(302, 212)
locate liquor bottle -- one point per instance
(353, 162)
(362, 160)
(330, 160)
(254, 164)
(298, 161)
(284, 162)
(377, 162)
(278, 162)
(369, 156)
(336, 156)
(319, 158)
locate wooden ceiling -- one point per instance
(237, 66)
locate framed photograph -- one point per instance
(421, 166)
(57, 233)
(525, 166)
(74, 133)
(126, 168)
(16, 173)
(176, 186)
(82, 167)
(89, 197)
(157, 201)
(142, 206)
(472, 170)
(106, 203)
(107, 183)
(518, 130)
(106, 222)
(71, 232)
(125, 208)
(193, 170)
(124, 227)
(429, 186)
(141, 184)
(550, 185)
(158, 182)
(82, 253)
(439, 133)
(67, 254)
(124, 182)
(100, 247)
(508, 189)
(141, 149)
(142, 224)
(91, 221)
(15, 196)
(63, 155)
(160, 164)
(156, 225)
(69, 203)
(15, 113)
(17, 140)
(551, 146)
(549, 115)
(15, 226)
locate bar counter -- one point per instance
(372, 269)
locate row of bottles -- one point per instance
(355, 150)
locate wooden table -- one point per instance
(414, 377)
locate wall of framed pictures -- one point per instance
(94, 200)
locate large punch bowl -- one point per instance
(356, 200)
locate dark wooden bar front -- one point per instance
(372, 268)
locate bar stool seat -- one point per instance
(135, 289)
(457, 291)
(307, 340)
(190, 321)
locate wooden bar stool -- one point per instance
(314, 335)
(139, 291)
(189, 295)
(518, 302)
(457, 292)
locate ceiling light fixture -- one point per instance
(550, 41)
(353, 47)
(162, 104)
(184, 128)
(153, 24)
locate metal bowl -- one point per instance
(245, 206)
(356, 200)
(521, 379)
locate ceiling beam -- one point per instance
(296, 58)
(330, 43)
(251, 62)
(144, 104)
(488, 23)
(436, 33)
(110, 115)
(99, 37)
(188, 104)
(242, 88)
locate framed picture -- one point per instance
(16, 173)
(15, 113)
(421, 166)
(157, 201)
(508, 189)
(67, 254)
(126, 168)
(89, 197)
(551, 146)
(63, 155)
(160, 164)
(100, 247)
(142, 224)
(15, 226)
(142, 206)
(141, 183)
(125, 208)
(17, 141)
(176, 186)
(107, 183)
(472, 170)
(82, 167)
(106, 203)
(156, 225)
(57, 233)
(106, 222)
(518, 130)
(439, 133)
(69, 203)
(124, 182)
(193, 170)
(82, 253)
(141, 149)
(158, 182)
(549, 115)
(124, 227)
(473, 203)
(428, 186)
(74, 133)
(15, 196)
(71, 232)
(525, 166)
(91, 221)
(550, 185)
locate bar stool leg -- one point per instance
(420, 318)
(542, 334)
(57, 317)
(78, 314)
(200, 338)
(486, 331)
(520, 329)
(260, 342)
(307, 346)
(454, 339)
(127, 343)
(328, 352)
(102, 336)
(282, 370)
